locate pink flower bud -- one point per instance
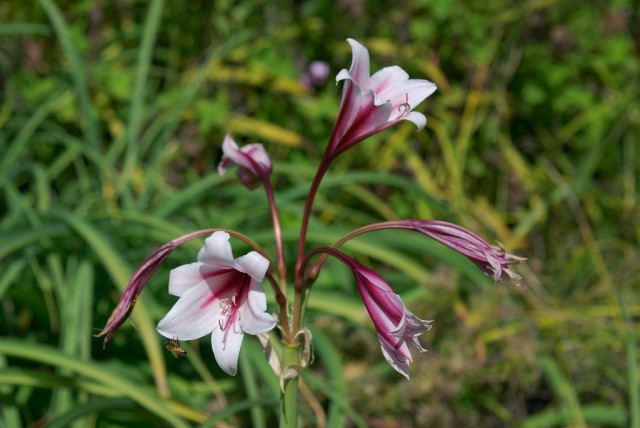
(254, 165)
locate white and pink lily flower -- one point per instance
(396, 325)
(254, 165)
(372, 103)
(219, 295)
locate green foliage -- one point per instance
(111, 120)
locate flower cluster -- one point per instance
(223, 296)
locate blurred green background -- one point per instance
(111, 119)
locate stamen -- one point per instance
(405, 107)
(226, 306)
(225, 313)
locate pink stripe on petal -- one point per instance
(225, 287)
(187, 319)
(386, 78)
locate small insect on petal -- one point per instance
(173, 346)
(218, 295)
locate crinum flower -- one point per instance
(397, 326)
(373, 103)
(219, 295)
(254, 165)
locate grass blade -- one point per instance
(564, 390)
(120, 273)
(97, 372)
(77, 69)
(331, 361)
(136, 113)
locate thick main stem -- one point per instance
(289, 398)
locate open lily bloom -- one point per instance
(372, 103)
(254, 165)
(219, 295)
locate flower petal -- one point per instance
(492, 260)
(396, 358)
(418, 119)
(395, 324)
(371, 104)
(349, 107)
(184, 277)
(258, 153)
(411, 92)
(252, 159)
(343, 75)
(253, 316)
(189, 319)
(359, 69)
(226, 347)
(386, 78)
(254, 165)
(253, 264)
(217, 250)
(383, 296)
(371, 118)
(229, 157)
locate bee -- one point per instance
(173, 346)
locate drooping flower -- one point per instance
(219, 295)
(372, 103)
(139, 279)
(397, 326)
(493, 260)
(254, 165)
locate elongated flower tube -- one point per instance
(493, 260)
(372, 103)
(397, 326)
(221, 296)
(254, 165)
